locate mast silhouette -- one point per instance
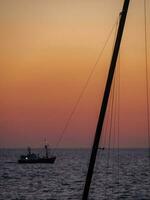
(98, 133)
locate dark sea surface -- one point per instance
(126, 176)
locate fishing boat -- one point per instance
(35, 158)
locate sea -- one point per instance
(119, 174)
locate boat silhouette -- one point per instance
(35, 158)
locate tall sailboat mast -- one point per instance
(98, 133)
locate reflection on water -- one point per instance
(127, 179)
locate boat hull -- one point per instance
(39, 160)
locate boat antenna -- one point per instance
(46, 148)
(29, 150)
(98, 133)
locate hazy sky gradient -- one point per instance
(47, 51)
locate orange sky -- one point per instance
(47, 51)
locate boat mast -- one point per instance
(98, 133)
(46, 148)
(46, 151)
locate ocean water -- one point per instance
(118, 175)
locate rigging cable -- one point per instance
(85, 86)
(114, 134)
(147, 82)
(118, 119)
(115, 130)
(109, 137)
(103, 143)
(111, 105)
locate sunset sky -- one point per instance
(47, 50)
